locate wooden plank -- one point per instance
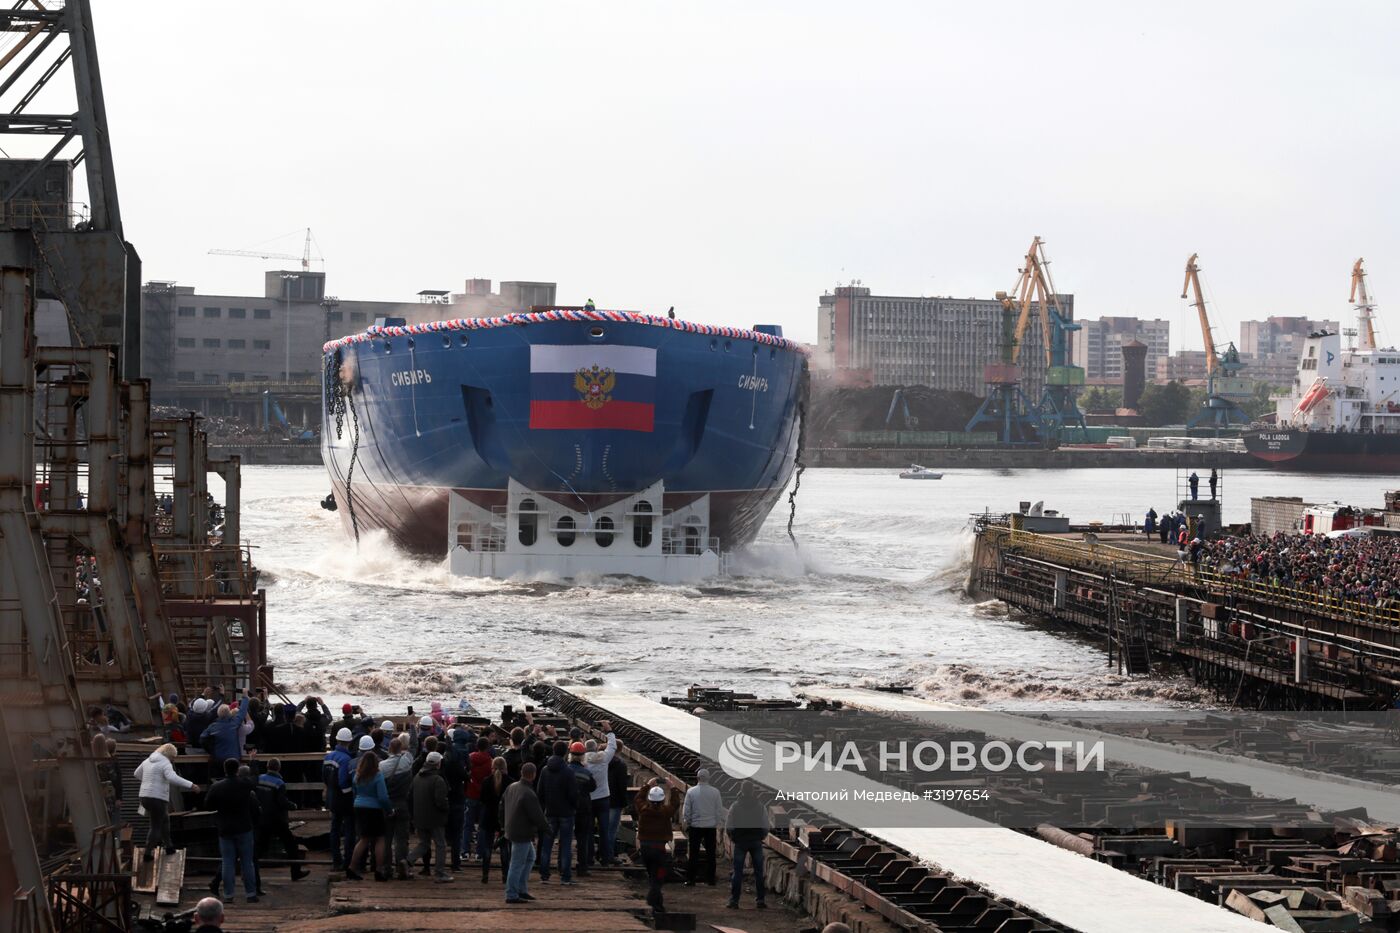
(144, 870)
(172, 878)
(1280, 917)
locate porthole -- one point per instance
(565, 535)
(714, 344)
(604, 534)
(595, 332)
(387, 348)
(462, 340)
(446, 342)
(727, 346)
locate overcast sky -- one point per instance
(736, 159)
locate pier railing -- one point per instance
(206, 573)
(1149, 569)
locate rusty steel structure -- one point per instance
(118, 586)
(77, 248)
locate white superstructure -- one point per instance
(535, 535)
(1343, 389)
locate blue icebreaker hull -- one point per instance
(410, 417)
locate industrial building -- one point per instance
(944, 343)
(1098, 346)
(200, 350)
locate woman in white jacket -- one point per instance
(156, 774)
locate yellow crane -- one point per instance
(1217, 410)
(1035, 289)
(1193, 283)
(1057, 409)
(1365, 307)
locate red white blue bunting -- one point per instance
(560, 314)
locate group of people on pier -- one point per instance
(425, 796)
(1362, 568)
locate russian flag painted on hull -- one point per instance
(603, 387)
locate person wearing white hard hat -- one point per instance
(340, 800)
(656, 811)
(425, 730)
(372, 806)
(387, 733)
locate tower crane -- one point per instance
(305, 256)
(1217, 410)
(1365, 308)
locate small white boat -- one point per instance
(917, 472)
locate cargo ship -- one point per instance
(1342, 413)
(563, 441)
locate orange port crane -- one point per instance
(1005, 405)
(1193, 283)
(1365, 308)
(1036, 288)
(1217, 411)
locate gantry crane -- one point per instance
(1217, 411)
(1006, 404)
(1365, 308)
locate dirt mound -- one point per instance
(834, 410)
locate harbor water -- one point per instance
(872, 595)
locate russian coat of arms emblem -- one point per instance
(595, 385)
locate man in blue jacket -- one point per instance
(340, 798)
(221, 736)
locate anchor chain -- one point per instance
(340, 401)
(803, 397)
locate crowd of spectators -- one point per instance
(534, 800)
(1362, 567)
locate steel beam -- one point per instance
(230, 471)
(43, 691)
(92, 119)
(145, 578)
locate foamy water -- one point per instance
(873, 596)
